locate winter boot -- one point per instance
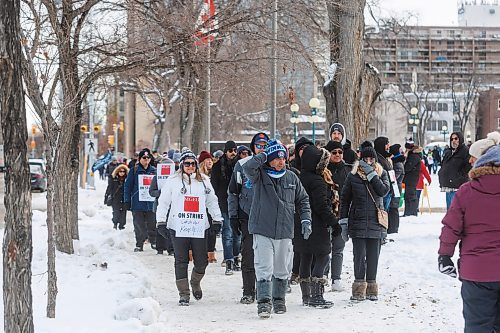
(236, 264)
(264, 305)
(211, 257)
(195, 284)
(294, 280)
(305, 288)
(138, 248)
(279, 291)
(183, 288)
(229, 267)
(248, 287)
(115, 225)
(372, 291)
(337, 285)
(247, 299)
(358, 290)
(317, 291)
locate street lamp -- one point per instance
(444, 131)
(414, 119)
(314, 104)
(469, 137)
(294, 120)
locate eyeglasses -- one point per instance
(260, 146)
(146, 157)
(232, 150)
(337, 152)
(455, 138)
(189, 164)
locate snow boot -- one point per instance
(372, 291)
(337, 285)
(236, 264)
(211, 258)
(305, 288)
(264, 305)
(317, 290)
(229, 267)
(358, 290)
(279, 291)
(247, 299)
(195, 284)
(138, 249)
(183, 288)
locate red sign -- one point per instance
(165, 170)
(147, 181)
(191, 204)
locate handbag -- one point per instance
(382, 216)
(109, 200)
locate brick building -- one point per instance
(489, 112)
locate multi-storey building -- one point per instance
(478, 13)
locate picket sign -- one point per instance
(395, 188)
(144, 185)
(163, 171)
(191, 218)
(425, 194)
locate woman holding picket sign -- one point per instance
(188, 194)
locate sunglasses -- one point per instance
(454, 139)
(337, 152)
(121, 171)
(232, 150)
(146, 157)
(189, 164)
(260, 146)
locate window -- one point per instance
(498, 104)
(456, 125)
(442, 107)
(436, 125)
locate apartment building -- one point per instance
(489, 111)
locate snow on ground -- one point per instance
(106, 287)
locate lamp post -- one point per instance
(414, 119)
(469, 140)
(294, 119)
(444, 131)
(314, 104)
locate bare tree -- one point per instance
(464, 97)
(17, 240)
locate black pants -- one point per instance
(366, 252)
(119, 217)
(182, 246)
(393, 215)
(318, 268)
(144, 227)
(411, 201)
(481, 309)
(247, 260)
(212, 236)
(163, 239)
(296, 263)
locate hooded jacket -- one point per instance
(473, 220)
(321, 200)
(412, 167)
(455, 165)
(221, 175)
(116, 186)
(357, 205)
(131, 188)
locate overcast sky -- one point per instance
(427, 12)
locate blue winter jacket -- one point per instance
(131, 189)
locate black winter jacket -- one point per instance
(357, 205)
(455, 166)
(321, 202)
(220, 178)
(339, 171)
(399, 170)
(412, 169)
(115, 190)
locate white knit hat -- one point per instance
(480, 146)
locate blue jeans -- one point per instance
(449, 199)
(231, 242)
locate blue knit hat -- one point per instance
(274, 150)
(490, 158)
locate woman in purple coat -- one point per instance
(473, 220)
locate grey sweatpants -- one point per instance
(272, 257)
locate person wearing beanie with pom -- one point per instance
(277, 193)
(472, 221)
(142, 209)
(338, 134)
(359, 221)
(186, 197)
(221, 176)
(412, 174)
(480, 146)
(398, 159)
(240, 196)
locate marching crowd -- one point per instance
(288, 212)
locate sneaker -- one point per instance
(138, 249)
(236, 264)
(337, 285)
(229, 267)
(247, 299)
(264, 310)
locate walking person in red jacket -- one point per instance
(423, 174)
(473, 220)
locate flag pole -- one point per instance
(208, 97)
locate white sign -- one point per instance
(191, 217)
(91, 146)
(395, 188)
(144, 185)
(163, 171)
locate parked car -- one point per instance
(38, 175)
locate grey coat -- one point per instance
(274, 200)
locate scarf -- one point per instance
(273, 173)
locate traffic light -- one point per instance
(122, 126)
(97, 128)
(111, 140)
(84, 128)
(115, 126)
(33, 129)
(33, 144)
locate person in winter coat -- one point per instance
(221, 175)
(412, 174)
(424, 173)
(142, 208)
(480, 146)
(338, 134)
(436, 157)
(276, 193)
(454, 167)
(111, 166)
(323, 200)
(398, 160)
(473, 220)
(361, 198)
(300, 145)
(186, 197)
(114, 195)
(340, 170)
(240, 195)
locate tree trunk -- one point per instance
(17, 241)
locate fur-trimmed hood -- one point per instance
(356, 170)
(118, 168)
(486, 179)
(483, 171)
(315, 159)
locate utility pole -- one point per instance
(274, 70)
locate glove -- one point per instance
(161, 227)
(215, 228)
(446, 266)
(235, 225)
(126, 205)
(306, 229)
(368, 170)
(345, 231)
